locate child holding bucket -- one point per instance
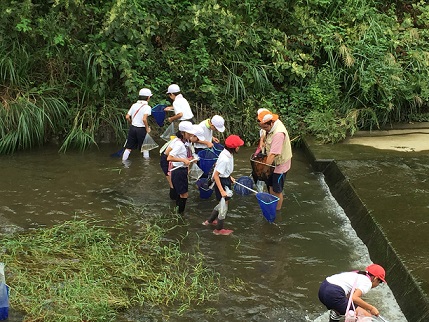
(222, 179)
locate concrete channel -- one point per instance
(379, 179)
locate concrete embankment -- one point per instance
(381, 181)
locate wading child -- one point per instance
(137, 117)
(222, 178)
(164, 163)
(180, 159)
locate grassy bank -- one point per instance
(82, 271)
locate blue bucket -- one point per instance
(268, 204)
(159, 114)
(4, 301)
(205, 191)
(207, 160)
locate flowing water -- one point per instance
(281, 264)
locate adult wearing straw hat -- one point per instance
(335, 291)
(180, 106)
(137, 117)
(276, 145)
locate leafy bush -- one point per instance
(229, 57)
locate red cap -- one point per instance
(377, 271)
(233, 141)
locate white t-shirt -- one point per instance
(181, 105)
(143, 108)
(178, 150)
(224, 164)
(208, 134)
(346, 281)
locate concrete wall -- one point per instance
(410, 297)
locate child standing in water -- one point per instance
(222, 178)
(180, 158)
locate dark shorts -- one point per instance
(136, 136)
(333, 297)
(226, 182)
(277, 181)
(179, 179)
(164, 163)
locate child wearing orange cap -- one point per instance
(334, 292)
(222, 178)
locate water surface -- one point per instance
(280, 264)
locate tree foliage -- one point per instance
(362, 63)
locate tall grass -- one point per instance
(27, 121)
(79, 271)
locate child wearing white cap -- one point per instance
(179, 156)
(137, 118)
(180, 105)
(216, 123)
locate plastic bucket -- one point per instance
(4, 301)
(207, 160)
(246, 181)
(159, 114)
(205, 191)
(268, 204)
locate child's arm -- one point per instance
(216, 179)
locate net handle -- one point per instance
(180, 166)
(268, 165)
(240, 184)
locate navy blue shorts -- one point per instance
(226, 182)
(333, 297)
(164, 163)
(136, 136)
(179, 179)
(277, 181)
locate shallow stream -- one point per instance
(281, 264)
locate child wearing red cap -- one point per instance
(334, 292)
(222, 178)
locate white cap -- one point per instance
(198, 132)
(173, 88)
(262, 110)
(186, 126)
(145, 92)
(218, 122)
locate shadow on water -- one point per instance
(280, 265)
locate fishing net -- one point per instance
(195, 172)
(168, 132)
(159, 114)
(217, 148)
(245, 181)
(207, 160)
(260, 169)
(149, 143)
(268, 204)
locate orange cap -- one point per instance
(266, 116)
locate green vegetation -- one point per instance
(327, 67)
(81, 271)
